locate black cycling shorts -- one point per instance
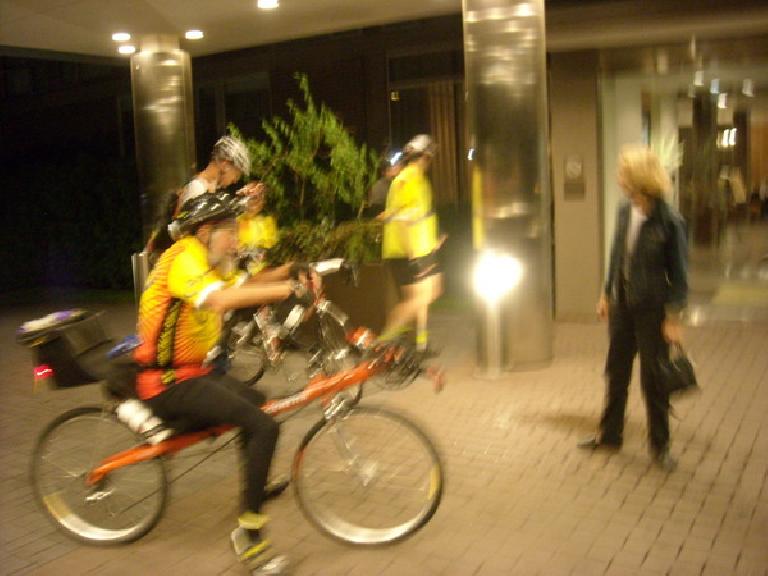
(407, 271)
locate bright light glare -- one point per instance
(193, 34)
(747, 87)
(268, 4)
(495, 275)
(121, 36)
(524, 10)
(127, 49)
(395, 158)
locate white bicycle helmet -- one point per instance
(233, 150)
(420, 144)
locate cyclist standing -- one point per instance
(230, 161)
(192, 284)
(410, 242)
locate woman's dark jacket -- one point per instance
(658, 268)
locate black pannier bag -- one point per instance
(72, 343)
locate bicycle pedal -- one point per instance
(277, 566)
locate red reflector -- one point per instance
(43, 371)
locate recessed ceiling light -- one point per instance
(121, 36)
(126, 49)
(194, 34)
(268, 4)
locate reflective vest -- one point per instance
(411, 230)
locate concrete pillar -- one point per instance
(161, 83)
(504, 53)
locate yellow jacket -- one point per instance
(411, 229)
(255, 233)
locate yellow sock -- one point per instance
(394, 334)
(252, 520)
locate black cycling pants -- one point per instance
(215, 400)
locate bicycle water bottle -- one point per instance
(139, 418)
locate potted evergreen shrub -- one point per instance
(318, 178)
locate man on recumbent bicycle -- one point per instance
(180, 315)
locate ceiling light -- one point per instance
(193, 34)
(268, 4)
(714, 86)
(698, 78)
(722, 101)
(126, 49)
(121, 36)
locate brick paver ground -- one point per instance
(520, 498)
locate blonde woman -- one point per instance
(644, 295)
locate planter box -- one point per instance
(368, 303)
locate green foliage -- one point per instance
(313, 167)
(317, 176)
(357, 240)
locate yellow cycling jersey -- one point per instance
(256, 231)
(175, 330)
(411, 231)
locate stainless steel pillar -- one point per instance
(140, 267)
(161, 82)
(505, 75)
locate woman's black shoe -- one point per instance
(597, 444)
(665, 461)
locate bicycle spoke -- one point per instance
(66, 473)
(123, 506)
(367, 478)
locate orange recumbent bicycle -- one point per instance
(362, 474)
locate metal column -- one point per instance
(161, 82)
(505, 75)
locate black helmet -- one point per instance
(205, 208)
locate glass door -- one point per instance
(709, 125)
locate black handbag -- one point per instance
(677, 371)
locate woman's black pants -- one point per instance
(634, 331)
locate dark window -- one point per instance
(448, 64)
